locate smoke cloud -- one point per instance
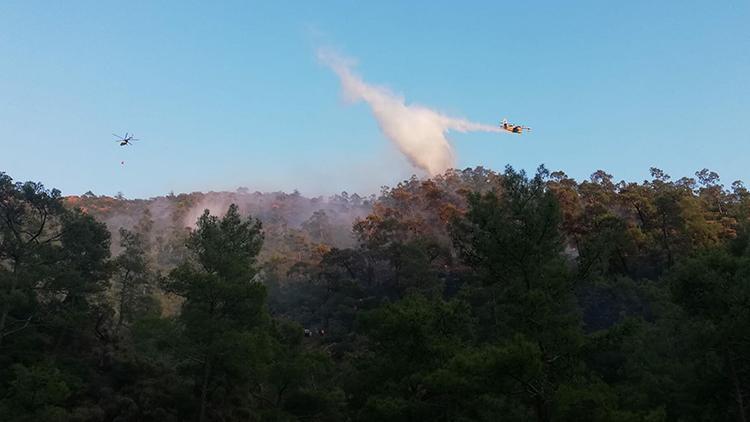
(418, 132)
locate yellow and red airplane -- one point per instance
(513, 128)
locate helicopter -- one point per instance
(513, 128)
(125, 140)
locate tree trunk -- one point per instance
(3, 319)
(204, 389)
(6, 305)
(123, 299)
(542, 410)
(741, 414)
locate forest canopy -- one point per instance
(473, 295)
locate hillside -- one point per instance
(293, 224)
(472, 295)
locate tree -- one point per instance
(36, 394)
(400, 374)
(523, 289)
(133, 278)
(319, 227)
(54, 270)
(52, 260)
(30, 224)
(714, 289)
(223, 318)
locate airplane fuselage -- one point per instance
(513, 128)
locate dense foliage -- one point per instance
(470, 296)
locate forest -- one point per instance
(471, 296)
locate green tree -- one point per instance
(54, 270)
(400, 373)
(133, 279)
(223, 321)
(53, 261)
(523, 288)
(38, 393)
(30, 227)
(714, 289)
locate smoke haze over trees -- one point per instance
(473, 295)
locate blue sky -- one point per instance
(228, 94)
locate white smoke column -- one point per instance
(418, 132)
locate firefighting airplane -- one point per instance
(513, 128)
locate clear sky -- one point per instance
(228, 94)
